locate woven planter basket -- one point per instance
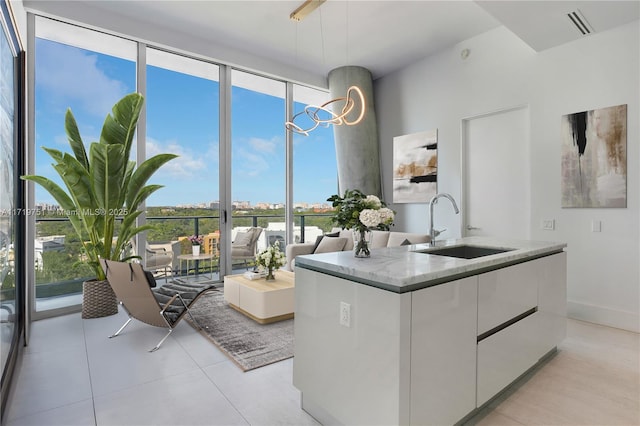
(98, 299)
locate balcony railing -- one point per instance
(58, 250)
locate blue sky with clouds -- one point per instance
(182, 118)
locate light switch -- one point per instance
(549, 224)
(596, 226)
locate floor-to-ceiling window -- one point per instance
(315, 173)
(87, 72)
(183, 118)
(12, 212)
(258, 166)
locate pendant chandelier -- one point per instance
(324, 115)
(313, 112)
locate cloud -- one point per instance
(263, 145)
(187, 166)
(256, 156)
(250, 163)
(71, 73)
(212, 154)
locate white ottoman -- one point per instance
(261, 300)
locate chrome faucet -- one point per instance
(432, 232)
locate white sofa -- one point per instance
(379, 239)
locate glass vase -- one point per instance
(270, 276)
(362, 242)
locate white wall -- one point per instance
(502, 71)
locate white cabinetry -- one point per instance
(423, 357)
(505, 294)
(552, 301)
(443, 355)
(504, 356)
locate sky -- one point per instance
(182, 118)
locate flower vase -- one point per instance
(361, 242)
(195, 250)
(270, 276)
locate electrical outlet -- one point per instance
(549, 224)
(345, 314)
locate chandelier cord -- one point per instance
(347, 37)
(332, 118)
(324, 59)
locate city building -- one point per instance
(45, 244)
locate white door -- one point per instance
(496, 183)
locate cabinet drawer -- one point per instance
(504, 356)
(443, 352)
(506, 293)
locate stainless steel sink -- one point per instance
(465, 251)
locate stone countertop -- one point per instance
(401, 269)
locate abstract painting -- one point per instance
(415, 167)
(594, 158)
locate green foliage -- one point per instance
(62, 266)
(8, 286)
(104, 184)
(168, 223)
(349, 207)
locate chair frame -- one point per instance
(257, 231)
(139, 301)
(164, 268)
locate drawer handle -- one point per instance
(506, 324)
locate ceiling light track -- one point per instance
(304, 9)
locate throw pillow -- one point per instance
(318, 239)
(406, 243)
(242, 238)
(150, 278)
(330, 244)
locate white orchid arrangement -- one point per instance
(271, 258)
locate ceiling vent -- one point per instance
(579, 21)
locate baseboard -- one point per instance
(605, 316)
(317, 412)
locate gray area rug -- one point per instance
(249, 344)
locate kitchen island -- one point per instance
(412, 337)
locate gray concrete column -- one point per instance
(357, 149)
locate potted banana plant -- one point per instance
(102, 187)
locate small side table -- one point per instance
(261, 300)
(196, 258)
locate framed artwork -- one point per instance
(415, 167)
(594, 158)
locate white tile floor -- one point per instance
(72, 374)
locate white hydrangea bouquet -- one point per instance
(361, 213)
(270, 259)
